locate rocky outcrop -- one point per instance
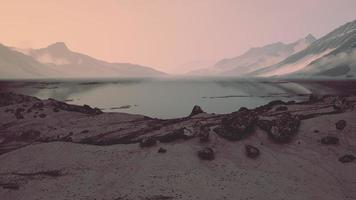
(238, 125)
(75, 108)
(182, 133)
(196, 110)
(206, 154)
(11, 98)
(282, 129)
(148, 142)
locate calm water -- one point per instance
(170, 98)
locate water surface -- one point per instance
(171, 98)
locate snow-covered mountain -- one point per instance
(57, 61)
(257, 58)
(333, 55)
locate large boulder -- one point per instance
(282, 129)
(206, 154)
(238, 125)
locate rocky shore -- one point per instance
(282, 150)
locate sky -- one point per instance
(167, 34)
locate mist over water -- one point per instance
(172, 98)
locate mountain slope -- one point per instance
(73, 64)
(257, 58)
(14, 64)
(336, 49)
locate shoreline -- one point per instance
(316, 134)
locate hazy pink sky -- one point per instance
(165, 34)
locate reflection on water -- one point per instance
(169, 98)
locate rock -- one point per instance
(269, 106)
(182, 133)
(282, 108)
(18, 113)
(206, 154)
(340, 125)
(10, 186)
(42, 115)
(347, 158)
(196, 110)
(238, 125)
(315, 98)
(11, 98)
(148, 141)
(251, 151)
(282, 129)
(329, 140)
(203, 132)
(340, 104)
(162, 150)
(75, 108)
(30, 135)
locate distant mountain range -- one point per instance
(57, 61)
(257, 58)
(333, 55)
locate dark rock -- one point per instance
(251, 151)
(11, 98)
(196, 110)
(340, 125)
(56, 110)
(238, 125)
(282, 129)
(18, 113)
(316, 131)
(203, 132)
(148, 141)
(10, 186)
(340, 104)
(329, 140)
(75, 108)
(270, 105)
(315, 98)
(282, 108)
(162, 150)
(347, 158)
(42, 115)
(182, 133)
(206, 154)
(30, 135)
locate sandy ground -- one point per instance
(70, 154)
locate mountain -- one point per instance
(73, 64)
(15, 65)
(57, 61)
(257, 58)
(333, 55)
